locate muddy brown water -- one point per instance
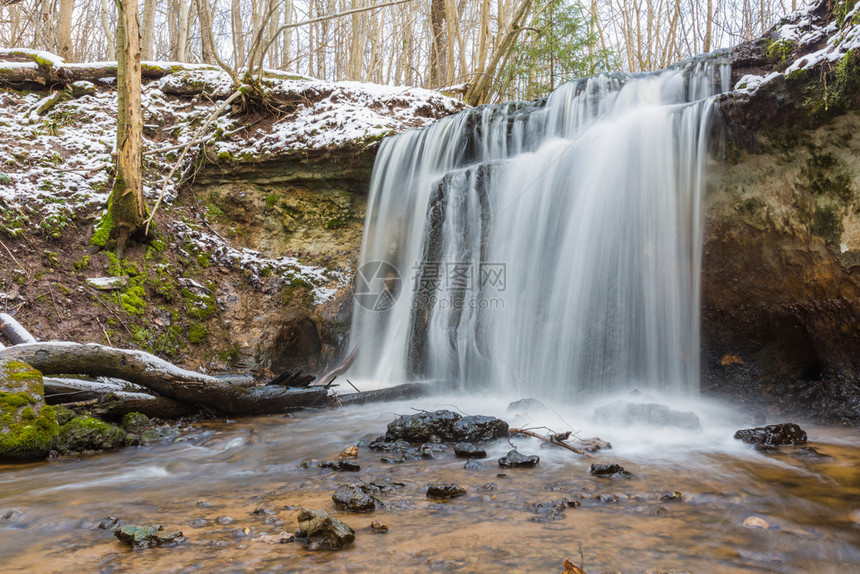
(811, 504)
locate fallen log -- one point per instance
(115, 405)
(14, 331)
(163, 378)
(398, 392)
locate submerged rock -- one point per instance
(626, 413)
(353, 498)
(149, 536)
(443, 490)
(443, 425)
(609, 471)
(516, 460)
(785, 434)
(551, 510)
(469, 450)
(472, 464)
(86, 433)
(108, 523)
(321, 529)
(341, 465)
(378, 526)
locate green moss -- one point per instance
(200, 306)
(102, 229)
(63, 414)
(82, 263)
(135, 422)
(779, 50)
(27, 413)
(334, 223)
(230, 355)
(86, 433)
(16, 400)
(132, 300)
(272, 200)
(197, 334)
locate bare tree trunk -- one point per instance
(147, 30)
(127, 209)
(64, 29)
(287, 54)
(205, 18)
(238, 34)
(438, 47)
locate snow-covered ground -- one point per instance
(798, 33)
(57, 166)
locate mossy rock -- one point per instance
(135, 422)
(86, 433)
(28, 427)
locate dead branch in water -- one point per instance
(551, 439)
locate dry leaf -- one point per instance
(571, 568)
(349, 452)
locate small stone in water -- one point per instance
(349, 452)
(202, 504)
(673, 496)
(108, 523)
(11, 514)
(353, 498)
(756, 522)
(260, 511)
(341, 465)
(473, 465)
(199, 523)
(443, 490)
(469, 450)
(378, 526)
(516, 460)
(321, 528)
(280, 538)
(224, 520)
(609, 471)
(149, 536)
(785, 434)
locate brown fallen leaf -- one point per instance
(571, 568)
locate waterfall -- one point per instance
(548, 248)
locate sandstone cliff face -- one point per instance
(781, 261)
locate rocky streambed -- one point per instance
(683, 500)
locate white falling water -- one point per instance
(545, 249)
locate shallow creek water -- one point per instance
(232, 468)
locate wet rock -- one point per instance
(516, 460)
(550, 510)
(469, 450)
(443, 490)
(421, 426)
(12, 514)
(785, 434)
(86, 433)
(672, 497)
(478, 428)
(489, 487)
(472, 465)
(224, 520)
(526, 406)
(381, 486)
(592, 444)
(199, 523)
(280, 538)
(380, 444)
(609, 471)
(378, 526)
(444, 425)
(558, 485)
(108, 523)
(626, 413)
(605, 498)
(149, 536)
(756, 522)
(135, 423)
(353, 498)
(261, 511)
(203, 504)
(349, 452)
(340, 465)
(321, 529)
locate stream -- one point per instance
(810, 503)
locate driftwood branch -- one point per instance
(161, 377)
(111, 400)
(329, 375)
(14, 331)
(551, 439)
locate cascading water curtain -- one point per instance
(548, 248)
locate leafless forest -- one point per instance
(522, 48)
